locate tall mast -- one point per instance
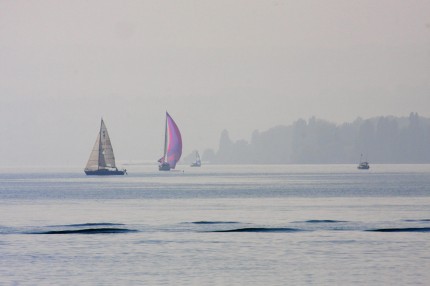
(165, 140)
(100, 144)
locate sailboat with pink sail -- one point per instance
(172, 145)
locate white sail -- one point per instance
(93, 161)
(101, 156)
(197, 162)
(198, 157)
(107, 159)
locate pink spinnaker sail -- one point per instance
(173, 142)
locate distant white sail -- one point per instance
(198, 157)
(197, 162)
(102, 154)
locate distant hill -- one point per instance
(381, 140)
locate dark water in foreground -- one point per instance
(217, 225)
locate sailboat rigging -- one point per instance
(172, 145)
(102, 159)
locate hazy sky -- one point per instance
(214, 65)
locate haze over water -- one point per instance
(217, 225)
(298, 82)
(239, 65)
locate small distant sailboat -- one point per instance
(102, 160)
(363, 165)
(172, 145)
(197, 162)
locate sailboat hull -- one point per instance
(104, 172)
(363, 167)
(164, 167)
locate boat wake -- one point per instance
(214, 226)
(407, 229)
(89, 224)
(87, 231)
(322, 221)
(214, 222)
(260, 229)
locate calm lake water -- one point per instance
(216, 225)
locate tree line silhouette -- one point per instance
(384, 139)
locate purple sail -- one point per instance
(173, 142)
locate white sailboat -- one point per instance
(102, 159)
(197, 162)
